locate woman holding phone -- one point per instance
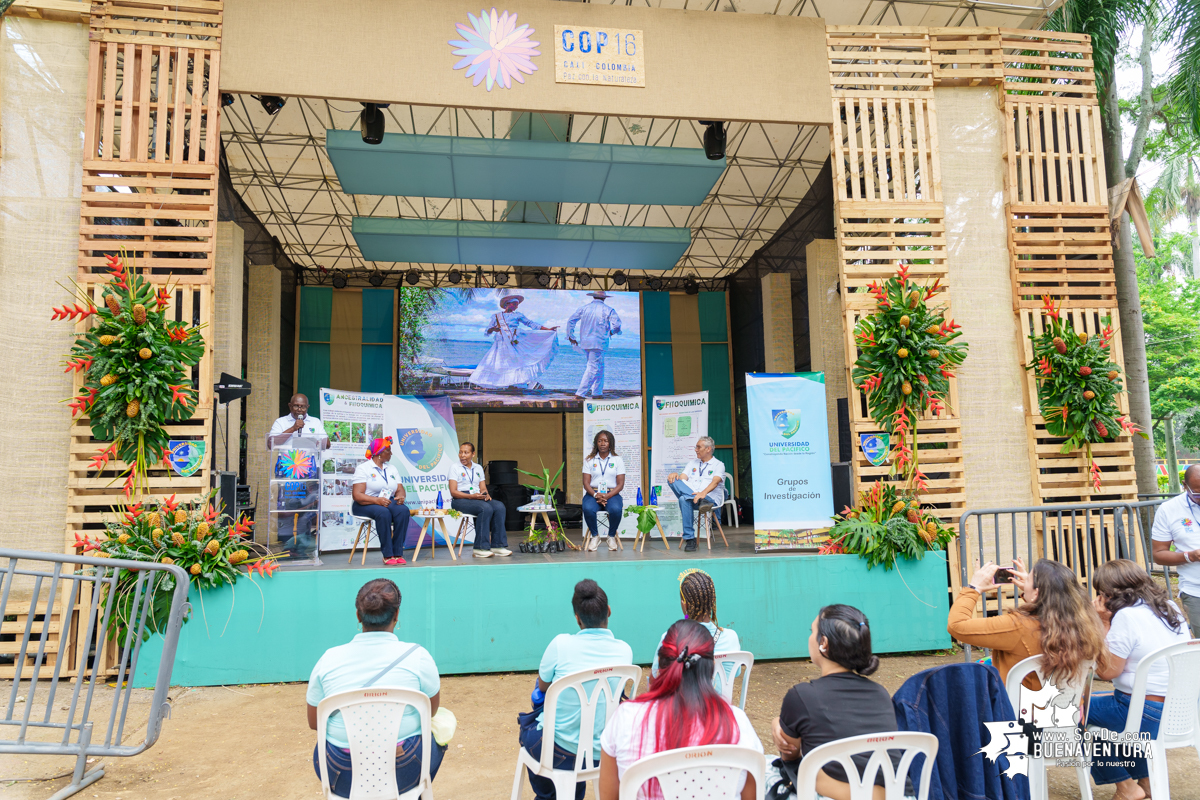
(1056, 621)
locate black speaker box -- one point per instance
(843, 485)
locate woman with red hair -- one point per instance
(379, 494)
(684, 698)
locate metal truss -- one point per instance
(279, 166)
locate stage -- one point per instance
(498, 615)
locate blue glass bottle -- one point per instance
(639, 496)
(439, 500)
(653, 497)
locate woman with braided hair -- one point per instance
(682, 696)
(698, 599)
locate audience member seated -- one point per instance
(1056, 621)
(681, 696)
(698, 599)
(375, 657)
(1139, 618)
(592, 646)
(843, 702)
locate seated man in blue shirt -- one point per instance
(591, 647)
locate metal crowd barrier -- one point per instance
(62, 651)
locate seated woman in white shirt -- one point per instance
(683, 697)
(603, 480)
(375, 657)
(379, 494)
(469, 494)
(698, 599)
(1139, 618)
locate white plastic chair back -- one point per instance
(1071, 694)
(725, 671)
(601, 680)
(730, 504)
(707, 772)
(1178, 727)
(372, 718)
(862, 786)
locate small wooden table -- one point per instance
(428, 518)
(534, 510)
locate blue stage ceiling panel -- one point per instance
(519, 244)
(410, 165)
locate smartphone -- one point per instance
(1002, 576)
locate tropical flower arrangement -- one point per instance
(886, 525)
(1077, 386)
(907, 349)
(190, 534)
(136, 367)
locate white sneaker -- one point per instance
(483, 553)
(501, 551)
(593, 543)
(612, 542)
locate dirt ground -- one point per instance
(253, 742)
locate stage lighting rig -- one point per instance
(454, 276)
(371, 123)
(226, 99)
(543, 279)
(583, 279)
(376, 279)
(412, 277)
(714, 139)
(338, 279)
(656, 284)
(500, 278)
(618, 279)
(271, 103)
(691, 287)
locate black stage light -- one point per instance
(339, 279)
(371, 123)
(714, 139)
(543, 279)
(691, 287)
(618, 279)
(272, 103)
(655, 284)
(583, 279)
(298, 275)
(454, 276)
(500, 278)
(226, 99)
(412, 277)
(376, 279)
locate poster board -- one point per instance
(789, 448)
(424, 448)
(677, 421)
(623, 419)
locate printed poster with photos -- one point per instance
(424, 447)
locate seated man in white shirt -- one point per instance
(297, 424)
(1177, 522)
(700, 485)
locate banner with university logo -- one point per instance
(623, 419)
(424, 448)
(789, 446)
(676, 422)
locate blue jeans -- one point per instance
(408, 763)
(391, 525)
(687, 507)
(543, 788)
(489, 521)
(591, 508)
(1110, 711)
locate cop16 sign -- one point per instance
(604, 56)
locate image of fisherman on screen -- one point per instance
(597, 322)
(516, 357)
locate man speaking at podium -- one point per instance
(297, 424)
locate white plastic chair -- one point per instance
(372, 718)
(862, 786)
(1180, 724)
(1039, 789)
(365, 525)
(725, 670)
(707, 772)
(587, 763)
(730, 504)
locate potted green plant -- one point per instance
(535, 536)
(647, 518)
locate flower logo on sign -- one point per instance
(494, 49)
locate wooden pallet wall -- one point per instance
(151, 144)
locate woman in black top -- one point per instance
(841, 703)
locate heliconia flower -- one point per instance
(934, 289)
(179, 394)
(162, 299)
(210, 513)
(494, 49)
(166, 457)
(945, 373)
(243, 527)
(902, 273)
(1048, 306)
(1044, 366)
(1095, 475)
(118, 270)
(170, 504)
(79, 364)
(178, 333)
(1128, 426)
(128, 488)
(101, 459)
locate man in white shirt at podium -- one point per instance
(297, 424)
